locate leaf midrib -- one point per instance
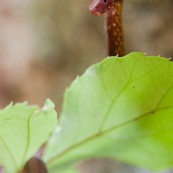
(28, 139)
(9, 151)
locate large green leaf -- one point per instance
(121, 108)
(23, 129)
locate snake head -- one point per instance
(98, 7)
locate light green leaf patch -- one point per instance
(23, 129)
(121, 108)
(66, 169)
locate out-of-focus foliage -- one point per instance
(148, 27)
(67, 32)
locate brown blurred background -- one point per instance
(45, 44)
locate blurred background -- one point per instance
(45, 44)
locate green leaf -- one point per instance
(23, 129)
(68, 169)
(121, 108)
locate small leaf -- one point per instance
(121, 108)
(23, 129)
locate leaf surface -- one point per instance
(23, 129)
(121, 108)
(67, 169)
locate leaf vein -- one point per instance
(10, 152)
(28, 139)
(104, 132)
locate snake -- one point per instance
(113, 24)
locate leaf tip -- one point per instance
(49, 105)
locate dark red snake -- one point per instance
(113, 23)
